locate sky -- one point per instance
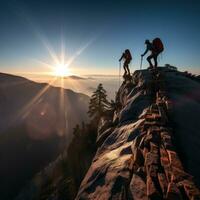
(93, 34)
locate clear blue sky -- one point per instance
(104, 27)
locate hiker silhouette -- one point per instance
(126, 56)
(156, 47)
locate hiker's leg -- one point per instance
(127, 67)
(149, 60)
(155, 60)
(125, 71)
(128, 70)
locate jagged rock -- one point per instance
(173, 192)
(174, 160)
(152, 192)
(138, 159)
(191, 191)
(101, 137)
(104, 123)
(115, 118)
(138, 188)
(151, 158)
(164, 159)
(166, 140)
(163, 183)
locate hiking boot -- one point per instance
(150, 67)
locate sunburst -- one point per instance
(61, 70)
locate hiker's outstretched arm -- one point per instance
(121, 57)
(145, 52)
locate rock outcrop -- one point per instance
(147, 150)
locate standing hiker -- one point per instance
(156, 47)
(127, 59)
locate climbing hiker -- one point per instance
(126, 56)
(156, 47)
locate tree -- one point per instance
(98, 103)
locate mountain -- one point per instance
(61, 178)
(23, 96)
(73, 77)
(36, 123)
(149, 149)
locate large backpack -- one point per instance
(158, 45)
(128, 54)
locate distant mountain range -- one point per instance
(76, 77)
(36, 122)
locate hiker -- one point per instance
(156, 47)
(127, 59)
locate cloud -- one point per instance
(76, 77)
(91, 89)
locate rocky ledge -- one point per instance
(142, 153)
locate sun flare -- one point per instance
(61, 70)
(61, 67)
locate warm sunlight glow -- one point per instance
(61, 66)
(61, 70)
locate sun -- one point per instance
(61, 70)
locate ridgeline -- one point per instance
(149, 148)
(147, 145)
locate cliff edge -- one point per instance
(148, 148)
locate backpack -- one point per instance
(128, 54)
(158, 45)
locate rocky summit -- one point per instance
(149, 147)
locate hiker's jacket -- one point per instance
(126, 56)
(150, 47)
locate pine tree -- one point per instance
(112, 105)
(98, 103)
